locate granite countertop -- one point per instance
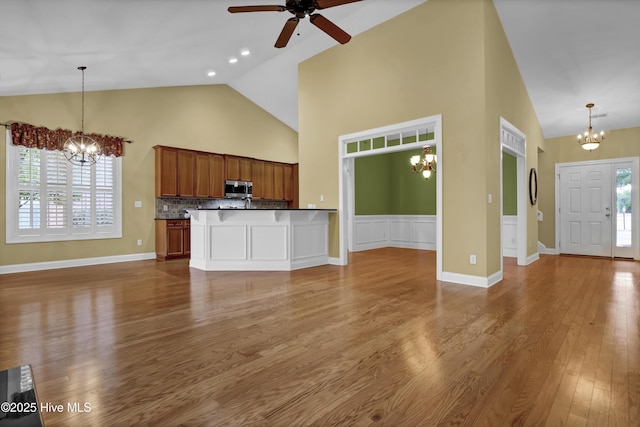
(174, 218)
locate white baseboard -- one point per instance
(80, 262)
(532, 258)
(466, 279)
(335, 261)
(546, 251)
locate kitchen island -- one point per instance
(259, 239)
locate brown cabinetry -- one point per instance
(173, 238)
(267, 183)
(238, 168)
(198, 174)
(287, 182)
(186, 173)
(257, 176)
(166, 172)
(203, 181)
(216, 176)
(278, 181)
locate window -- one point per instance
(50, 199)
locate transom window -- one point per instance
(50, 199)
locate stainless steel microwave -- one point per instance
(238, 189)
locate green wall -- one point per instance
(384, 185)
(509, 185)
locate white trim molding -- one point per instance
(396, 231)
(79, 262)
(542, 249)
(510, 236)
(346, 182)
(467, 279)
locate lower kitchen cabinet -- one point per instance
(173, 238)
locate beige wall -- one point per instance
(210, 118)
(618, 143)
(507, 97)
(442, 57)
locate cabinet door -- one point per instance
(267, 183)
(186, 173)
(288, 182)
(186, 238)
(216, 176)
(166, 172)
(175, 241)
(278, 181)
(257, 176)
(203, 181)
(232, 165)
(245, 169)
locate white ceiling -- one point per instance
(569, 52)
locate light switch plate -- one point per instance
(138, 203)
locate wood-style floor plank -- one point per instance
(377, 342)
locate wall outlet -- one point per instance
(138, 203)
(322, 197)
(139, 242)
(490, 198)
(472, 259)
(165, 208)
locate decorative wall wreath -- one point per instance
(533, 186)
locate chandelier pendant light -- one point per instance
(590, 140)
(80, 149)
(425, 164)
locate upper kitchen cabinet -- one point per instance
(257, 176)
(166, 171)
(287, 183)
(216, 176)
(186, 173)
(278, 181)
(203, 181)
(267, 181)
(238, 168)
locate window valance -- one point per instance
(48, 139)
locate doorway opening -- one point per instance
(388, 139)
(513, 233)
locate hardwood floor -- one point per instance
(377, 342)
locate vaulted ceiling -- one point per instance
(569, 52)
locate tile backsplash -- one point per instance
(176, 206)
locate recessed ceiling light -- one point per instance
(233, 60)
(211, 73)
(245, 52)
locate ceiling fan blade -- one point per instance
(325, 4)
(287, 31)
(330, 28)
(240, 9)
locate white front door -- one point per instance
(586, 210)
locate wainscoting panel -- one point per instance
(398, 231)
(510, 235)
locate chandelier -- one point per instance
(80, 149)
(590, 141)
(426, 164)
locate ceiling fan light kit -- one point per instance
(301, 9)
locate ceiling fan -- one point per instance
(300, 9)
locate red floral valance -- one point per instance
(43, 138)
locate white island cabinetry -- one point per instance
(259, 239)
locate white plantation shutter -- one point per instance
(50, 199)
(29, 189)
(56, 190)
(104, 192)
